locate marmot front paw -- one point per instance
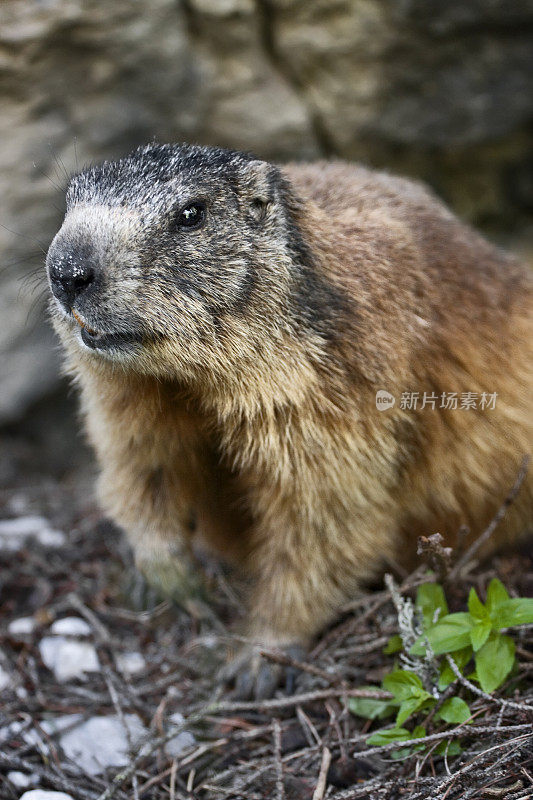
(255, 677)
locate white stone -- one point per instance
(130, 663)
(22, 626)
(67, 658)
(41, 794)
(101, 742)
(10, 730)
(71, 626)
(182, 740)
(22, 526)
(21, 780)
(49, 537)
(14, 533)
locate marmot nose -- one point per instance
(70, 276)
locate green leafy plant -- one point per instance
(471, 638)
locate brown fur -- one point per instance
(266, 432)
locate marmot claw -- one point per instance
(256, 678)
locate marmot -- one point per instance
(307, 365)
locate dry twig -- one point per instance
(320, 788)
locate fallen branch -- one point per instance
(320, 789)
(460, 730)
(224, 707)
(524, 707)
(280, 789)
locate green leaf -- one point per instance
(496, 595)
(454, 710)
(409, 707)
(476, 607)
(394, 645)
(404, 752)
(431, 600)
(408, 690)
(403, 684)
(448, 749)
(451, 633)
(388, 735)
(494, 661)
(480, 633)
(515, 611)
(370, 708)
(447, 675)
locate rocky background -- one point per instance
(441, 91)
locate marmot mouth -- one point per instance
(98, 340)
(103, 341)
(83, 325)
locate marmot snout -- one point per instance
(308, 366)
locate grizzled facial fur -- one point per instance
(165, 250)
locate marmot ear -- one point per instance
(259, 187)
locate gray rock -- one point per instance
(417, 73)
(79, 82)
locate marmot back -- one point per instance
(305, 367)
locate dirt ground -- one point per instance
(306, 746)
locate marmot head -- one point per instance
(175, 258)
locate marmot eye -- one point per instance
(191, 216)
